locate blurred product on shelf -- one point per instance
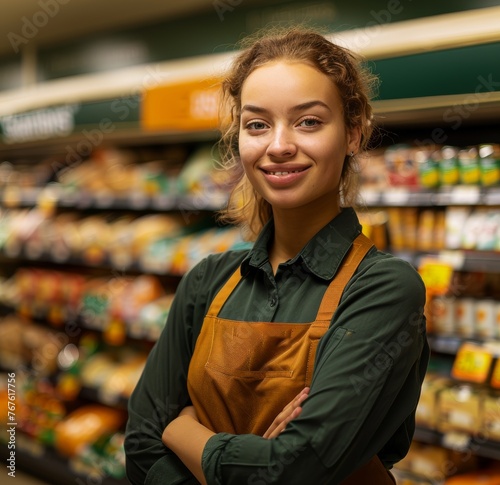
(161, 243)
(436, 463)
(430, 167)
(426, 413)
(484, 476)
(459, 409)
(104, 457)
(85, 426)
(374, 226)
(25, 344)
(401, 167)
(470, 309)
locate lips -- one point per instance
(283, 172)
(283, 176)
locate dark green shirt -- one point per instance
(369, 365)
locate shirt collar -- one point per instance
(322, 255)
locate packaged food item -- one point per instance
(395, 226)
(86, 425)
(120, 383)
(373, 171)
(152, 319)
(95, 236)
(489, 161)
(459, 409)
(465, 312)
(63, 239)
(468, 161)
(442, 312)
(428, 167)
(26, 344)
(449, 173)
(201, 178)
(104, 457)
(487, 236)
(402, 169)
(485, 318)
(426, 412)
(374, 226)
(490, 417)
(440, 230)
(410, 226)
(473, 228)
(455, 220)
(433, 464)
(426, 230)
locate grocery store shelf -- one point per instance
(444, 196)
(470, 444)
(55, 196)
(46, 464)
(445, 344)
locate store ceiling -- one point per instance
(41, 22)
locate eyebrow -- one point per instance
(299, 107)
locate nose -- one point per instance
(282, 143)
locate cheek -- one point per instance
(250, 151)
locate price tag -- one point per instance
(396, 197)
(465, 195)
(456, 440)
(472, 363)
(436, 275)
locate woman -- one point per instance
(300, 360)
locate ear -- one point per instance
(353, 139)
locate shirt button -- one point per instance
(273, 302)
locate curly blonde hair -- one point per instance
(246, 207)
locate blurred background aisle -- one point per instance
(108, 195)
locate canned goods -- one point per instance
(489, 162)
(448, 167)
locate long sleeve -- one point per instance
(365, 388)
(161, 393)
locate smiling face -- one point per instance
(293, 140)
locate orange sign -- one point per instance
(189, 105)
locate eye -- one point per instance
(310, 122)
(256, 125)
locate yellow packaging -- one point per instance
(426, 230)
(396, 233)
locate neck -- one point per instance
(293, 230)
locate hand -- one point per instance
(290, 411)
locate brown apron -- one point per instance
(242, 374)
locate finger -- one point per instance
(297, 399)
(285, 413)
(282, 426)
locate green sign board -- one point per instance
(93, 120)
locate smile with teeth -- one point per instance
(285, 173)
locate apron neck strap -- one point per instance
(331, 298)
